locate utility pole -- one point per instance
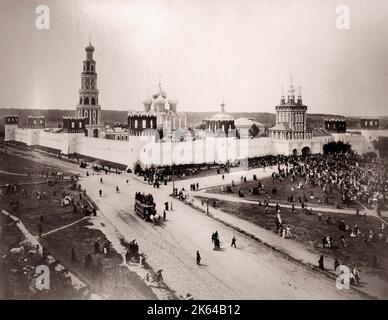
(173, 184)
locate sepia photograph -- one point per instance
(174, 151)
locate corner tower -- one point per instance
(88, 107)
(11, 123)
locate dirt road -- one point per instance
(252, 271)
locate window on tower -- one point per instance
(86, 101)
(93, 101)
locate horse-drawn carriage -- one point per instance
(132, 251)
(145, 207)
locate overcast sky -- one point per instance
(204, 51)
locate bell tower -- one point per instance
(88, 106)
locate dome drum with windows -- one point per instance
(291, 121)
(221, 121)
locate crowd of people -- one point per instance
(355, 178)
(147, 199)
(163, 174)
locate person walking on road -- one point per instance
(336, 264)
(320, 263)
(164, 215)
(100, 192)
(101, 180)
(198, 258)
(233, 244)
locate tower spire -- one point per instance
(282, 100)
(299, 101)
(291, 92)
(160, 84)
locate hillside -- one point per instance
(194, 119)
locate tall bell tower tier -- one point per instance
(291, 120)
(88, 107)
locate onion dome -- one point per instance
(89, 47)
(147, 102)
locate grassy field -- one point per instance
(309, 231)
(283, 191)
(14, 169)
(115, 281)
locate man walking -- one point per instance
(233, 244)
(198, 258)
(320, 263)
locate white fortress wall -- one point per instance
(145, 149)
(359, 143)
(104, 149)
(258, 147)
(54, 140)
(281, 147)
(25, 135)
(369, 135)
(182, 152)
(199, 155)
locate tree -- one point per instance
(381, 145)
(336, 147)
(254, 130)
(202, 126)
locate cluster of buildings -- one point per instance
(158, 134)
